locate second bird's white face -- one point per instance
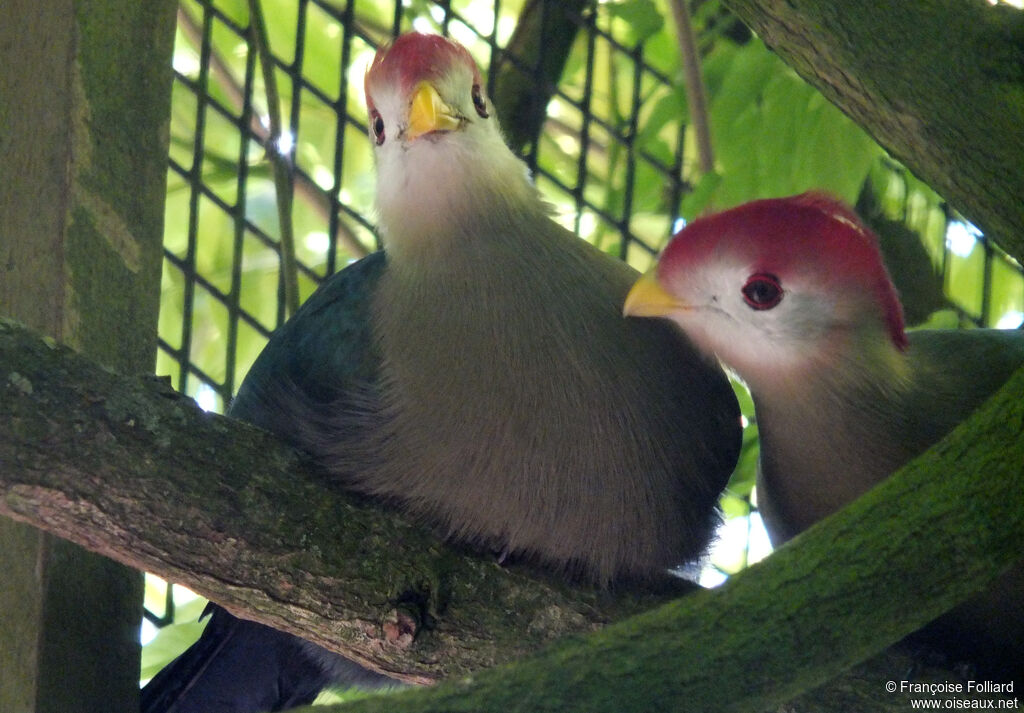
(765, 326)
(781, 290)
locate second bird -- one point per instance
(792, 294)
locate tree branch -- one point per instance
(695, 95)
(901, 555)
(130, 468)
(526, 72)
(280, 164)
(939, 83)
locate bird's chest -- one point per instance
(520, 409)
(455, 357)
(488, 378)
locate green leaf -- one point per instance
(943, 319)
(641, 16)
(775, 135)
(171, 640)
(733, 506)
(735, 78)
(671, 107)
(694, 203)
(744, 477)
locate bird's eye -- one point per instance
(377, 126)
(479, 103)
(762, 291)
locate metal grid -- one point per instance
(205, 306)
(982, 284)
(1000, 301)
(595, 160)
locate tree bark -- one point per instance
(126, 468)
(133, 470)
(85, 88)
(938, 83)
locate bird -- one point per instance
(477, 373)
(793, 296)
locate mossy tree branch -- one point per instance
(133, 470)
(129, 468)
(939, 83)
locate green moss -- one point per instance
(120, 103)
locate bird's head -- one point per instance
(439, 149)
(776, 287)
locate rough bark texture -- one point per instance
(133, 470)
(84, 103)
(939, 529)
(939, 83)
(863, 689)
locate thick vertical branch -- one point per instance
(939, 83)
(84, 105)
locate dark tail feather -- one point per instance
(239, 666)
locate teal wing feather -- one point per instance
(322, 364)
(959, 369)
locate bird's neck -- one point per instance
(451, 200)
(852, 359)
(823, 432)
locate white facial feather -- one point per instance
(426, 185)
(805, 332)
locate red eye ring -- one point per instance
(762, 291)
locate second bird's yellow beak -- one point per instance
(428, 113)
(648, 298)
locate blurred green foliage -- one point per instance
(170, 640)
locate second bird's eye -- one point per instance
(762, 291)
(479, 103)
(377, 126)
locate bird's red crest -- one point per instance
(414, 57)
(778, 234)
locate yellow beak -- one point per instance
(649, 299)
(428, 113)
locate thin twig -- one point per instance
(280, 164)
(304, 187)
(695, 94)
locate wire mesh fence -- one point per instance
(614, 157)
(223, 249)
